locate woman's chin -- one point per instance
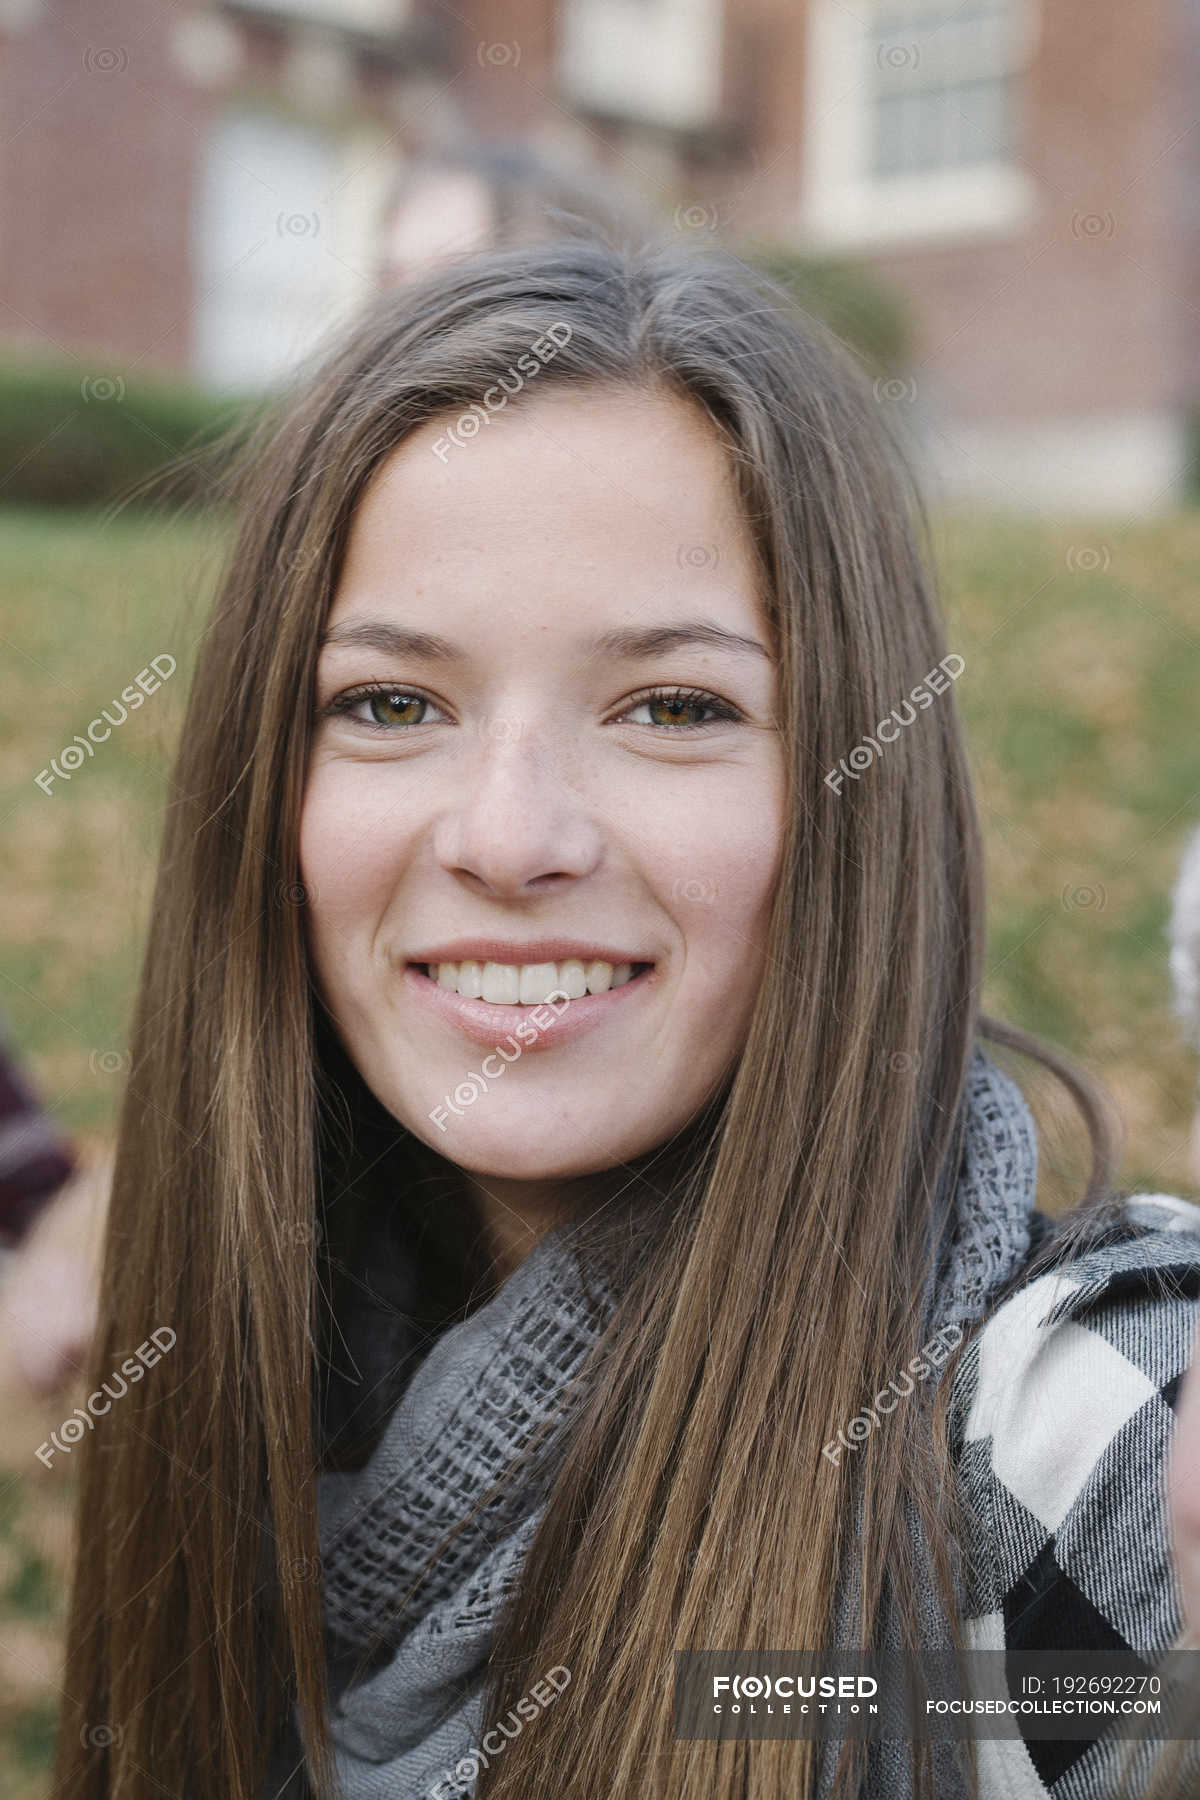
(533, 1148)
(499, 1162)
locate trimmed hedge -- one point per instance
(867, 313)
(70, 438)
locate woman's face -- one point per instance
(519, 792)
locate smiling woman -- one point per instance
(559, 1118)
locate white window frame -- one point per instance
(284, 240)
(844, 205)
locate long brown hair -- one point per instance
(695, 1506)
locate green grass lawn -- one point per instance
(1082, 650)
(1082, 645)
(86, 606)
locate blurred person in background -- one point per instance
(51, 1204)
(451, 201)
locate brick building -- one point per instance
(199, 187)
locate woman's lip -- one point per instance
(557, 1021)
(541, 950)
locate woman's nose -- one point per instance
(519, 813)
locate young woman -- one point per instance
(559, 1137)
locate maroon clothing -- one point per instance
(35, 1159)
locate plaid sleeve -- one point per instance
(1066, 1405)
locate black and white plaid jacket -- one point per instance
(1062, 1413)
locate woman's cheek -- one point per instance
(347, 857)
(727, 873)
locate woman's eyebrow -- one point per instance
(627, 642)
(650, 640)
(394, 640)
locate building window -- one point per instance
(282, 246)
(914, 120)
(943, 85)
(657, 62)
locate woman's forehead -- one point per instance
(575, 490)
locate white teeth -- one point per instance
(529, 984)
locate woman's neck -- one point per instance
(516, 1215)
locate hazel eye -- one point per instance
(676, 701)
(385, 705)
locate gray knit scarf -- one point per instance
(409, 1728)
